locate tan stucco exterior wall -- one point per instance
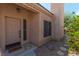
(10, 11)
(43, 39)
(2, 30)
(34, 24)
(58, 11)
(34, 29)
(0, 27)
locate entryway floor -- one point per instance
(26, 51)
(52, 48)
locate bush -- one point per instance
(72, 29)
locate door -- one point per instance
(12, 30)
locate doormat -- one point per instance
(14, 49)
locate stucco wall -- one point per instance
(10, 11)
(34, 23)
(2, 33)
(37, 29)
(58, 10)
(43, 39)
(34, 29)
(0, 27)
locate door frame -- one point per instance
(22, 40)
(21, 28)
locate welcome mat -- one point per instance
(13, 47)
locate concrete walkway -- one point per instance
(28, 50)
(53, 48)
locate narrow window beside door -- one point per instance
(24, 29)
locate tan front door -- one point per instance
(12, 30)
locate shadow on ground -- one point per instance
(53, 48)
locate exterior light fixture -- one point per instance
(18, 9)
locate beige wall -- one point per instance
(34, 29)
(2, 30)
(34, 24)
(58, 11)
(10, 11)
(43, 17)
(0, 27)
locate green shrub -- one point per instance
(72, 29)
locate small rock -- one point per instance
(50, 47)
(65, 45)
(60, 53)
(63, 48)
